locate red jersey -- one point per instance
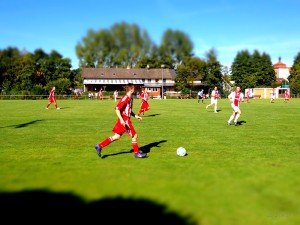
(125, 106)
(144, 96)
(52, 96)
(286, 94)
(216, 94)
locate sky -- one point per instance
(228, 26)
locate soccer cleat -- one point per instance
(235, 124)
(228, 123)
(140, 155)
(98, 150)
(57, 108)
(46, 108)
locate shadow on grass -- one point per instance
(22, 125)
(239, 123)
(145, 148)
(60, 108)
(42, 206)
(151, 115)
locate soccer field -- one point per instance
(244, 175)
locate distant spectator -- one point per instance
(115, 95)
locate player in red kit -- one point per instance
(52, 99)
(124, 124)
(235, 98)
(286, 96)
(144, 102)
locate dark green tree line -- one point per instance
(294, 77)
(252, 70)
(35, 73)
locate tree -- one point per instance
(213, 76)
(226, 79)
(294, 78)
(122, 45)
(240, 68)
(254, 70)
(176, 45)
(190, 70)
(31, 73)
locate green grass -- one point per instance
(247, 174)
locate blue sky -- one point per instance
(229, 26)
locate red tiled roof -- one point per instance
(279, 65)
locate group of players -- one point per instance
(234, 97)
(124, 112)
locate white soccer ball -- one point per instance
(181, 151)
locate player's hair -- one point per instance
(129, 87)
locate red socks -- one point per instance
(135, 147)
(106, 142)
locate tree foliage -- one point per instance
(35, 73)
(128, 45)
(207, 70)
(121, 45)
(294, 78)
(253, 70)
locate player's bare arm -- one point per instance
(136, 116)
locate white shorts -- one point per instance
(235, 108)
(214, 101)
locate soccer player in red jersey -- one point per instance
(52, 99)
(286, 96)
(235, 98)
(144, 103)
(124, 124)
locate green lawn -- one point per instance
(244, 175)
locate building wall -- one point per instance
(266, 92)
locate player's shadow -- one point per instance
(239, 123)
(152, 115)
(22, 125)
(113, 154)
(36, 206)
(62, 108)
(145, 148)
